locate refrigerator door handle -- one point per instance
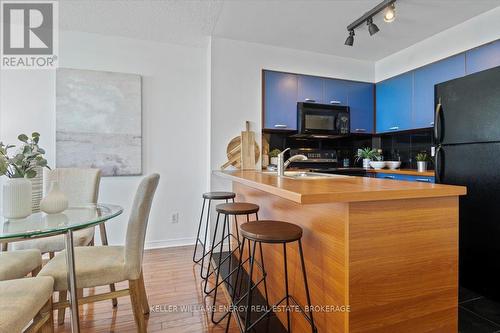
(437, 122)
(438, 162)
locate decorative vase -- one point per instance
(366, 163)
(55, 202)
(37, 190)
(16, 198)
(274, 160)
(422, 166)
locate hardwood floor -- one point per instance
(172, 280)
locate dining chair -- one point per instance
(18, 264)
(81, 186)
(25, 301)
(102, 265)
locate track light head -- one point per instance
(390, 13)
(350, 40)
(372, 27)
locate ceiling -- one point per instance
(312, 25)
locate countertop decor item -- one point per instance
(274, 156)
(25, 164)
(422, 159)
(367, 154)
(55, 202)
(377, 165)
(234, 153)
(393, 165)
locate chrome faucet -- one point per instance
(282, 164)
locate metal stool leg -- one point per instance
(226, 218)
(211, 253)
(262, 264)
(308, 297)
(249, 294)
(205, 241)
(287, 295)
(198, 233)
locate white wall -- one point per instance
(175, 123)
(479, 30)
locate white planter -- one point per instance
(16, 198)
(274, 160)
(55, 202)
(422, 166)
(366, 163)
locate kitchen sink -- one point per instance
(305, 175)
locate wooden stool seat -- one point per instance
(219, 195)
(237, 208)
(268, 231)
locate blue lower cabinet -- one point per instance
(483, 57)
(425, 78)
(422, 179)
(280, 101)
(361, 103)
(310, 89)
(394, 103)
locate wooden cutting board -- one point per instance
(247, 148)
(233, 152)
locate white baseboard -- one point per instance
(169, 243)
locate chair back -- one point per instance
(80, 185)
(137, 224)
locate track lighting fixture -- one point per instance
(372, 27)
(389, 15)
(350, 40)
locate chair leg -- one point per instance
(62, 311)
(48, 326)
(135, 298)
(36, 271)
(145, 303)
(104, 241)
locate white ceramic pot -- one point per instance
(16, 198)
(366, 163)
(55, 202)
(274, 160)
(422, 166)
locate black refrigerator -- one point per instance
(467, 135)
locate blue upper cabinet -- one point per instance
(361, 103)
(336, 91)
(394, 103)
(423, 90)
(280, 101)
(310, 89)
(483, 57)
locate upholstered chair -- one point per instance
(25, 301)
(102, 265)
(18, 264)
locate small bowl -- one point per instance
(393, 164)
(377, 165)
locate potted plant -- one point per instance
(273, 154)
(367, 154)
(19, 169)
(422, 159)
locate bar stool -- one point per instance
(270, 232)
(208, 196)
(234, 209)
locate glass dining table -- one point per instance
(72, 219)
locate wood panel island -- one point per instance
(381, 255)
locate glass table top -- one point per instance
(42, 224)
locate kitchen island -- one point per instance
(381, 255)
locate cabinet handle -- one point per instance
(360, 130)
(335, 102)
(280, 126)
(310, 100)
(394, 128)
(389, 177)
(424, 180)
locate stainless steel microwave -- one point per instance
(322, 120)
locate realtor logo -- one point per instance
(29, 34)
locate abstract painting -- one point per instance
(98, 121)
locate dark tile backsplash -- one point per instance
(405, 146)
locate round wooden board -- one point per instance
(235, 142)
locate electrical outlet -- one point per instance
(175, 218)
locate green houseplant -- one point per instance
(273, 155)
(367, 154)
(19, 168)
(422, 159)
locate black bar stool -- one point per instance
(234, 209)
(208, 196)
(271, 232)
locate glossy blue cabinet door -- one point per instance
(280, 101)
(361, 102)
(394, 103)
(483, 57)
(423, 90)
(422, 179)
(336, 91)
(310, 89)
